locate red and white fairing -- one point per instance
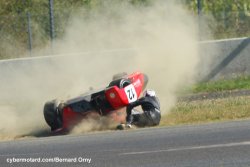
(118, 97)
(103, 103)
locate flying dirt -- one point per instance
(159, 39)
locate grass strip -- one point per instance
(208, 111)
(242, 82)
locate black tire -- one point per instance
(51, 115)
(120, 83)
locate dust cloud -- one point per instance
(159, 39)
(90, 125)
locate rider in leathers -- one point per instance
(151, 114)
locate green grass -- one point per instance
(222, 85)
(201, 111)
(208, 111)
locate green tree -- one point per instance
(231, 18)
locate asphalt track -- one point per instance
(217, 145)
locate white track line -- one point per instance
(107, 51)
(246, 143)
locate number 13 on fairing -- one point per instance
(131, 93)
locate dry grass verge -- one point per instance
(208, 111)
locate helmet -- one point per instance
(149, 93)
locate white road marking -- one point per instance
(246, 143)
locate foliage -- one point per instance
(229, 18)
(14, 22)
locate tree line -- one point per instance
(226, 18)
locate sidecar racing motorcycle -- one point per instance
(121, 91)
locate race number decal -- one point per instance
(131, 93)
